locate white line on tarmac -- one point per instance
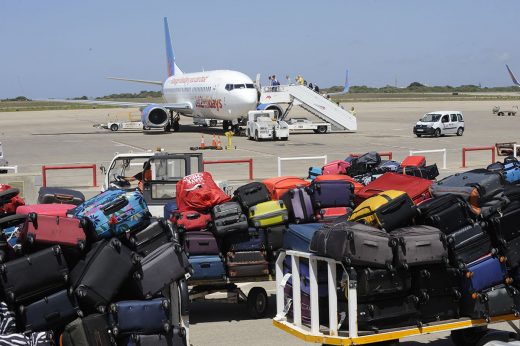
(128, 145)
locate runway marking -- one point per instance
(128, 145)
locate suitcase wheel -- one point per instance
(21, 309)
(30, 241)
(425, 274)
(102, 309)
(113, 308)
(424, 296)
(457, 294)
(469, 275)
(80, 313)
(508, 281)
(165, 304)
(57, 250)
(413, 299)
(450, 240)
(350, 236)
(392, 242)
(66, 277)
(115, 331)
(166, 326)
(516, 312)
(81, 293)
(137, 276)
(420, 324)
(404, 265)
(81, 245)
(502, 259)
(116, 243)
(136, 259)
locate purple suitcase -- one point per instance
(299, 203)
(332, 193)
(200, 243)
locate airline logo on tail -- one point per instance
(513, 78)
(347, 85)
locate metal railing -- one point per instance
(216, 162)
(413, 152)
(48, 168)
(280, 159)
(464, 150)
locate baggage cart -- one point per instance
(331, 334)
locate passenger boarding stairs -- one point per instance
(321, 107)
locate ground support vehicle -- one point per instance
(462, 329)
(304, 124)
(501, 111)
(204, 122)
(264, 125)
(121, 125)
(440, 123)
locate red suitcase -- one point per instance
(335, 167)
(357, 185)
(280, 185)
(47, 229)
(417, 188)
(330, 214)
(46, 209)
(415, 161)
(191, 220)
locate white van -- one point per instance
(440, 123)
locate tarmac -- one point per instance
(33, 139)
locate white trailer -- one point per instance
(304, 124)
(121, 125)
(501, 111)
(205, 122)
(264, 125)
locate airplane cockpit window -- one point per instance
(250, 86)
(239, 86)
(229, 87)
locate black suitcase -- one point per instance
(511, 250)
(166, 264)
(506, 226)
(7, 195)
(158, 233)
(7, 222)
(274, 237)
(51, 312)
(34, 276)
(377, 283)
(496, 301)
(97, 278)
(50, 195)
(228, 217)
(147, 340)
(447, 212)
(363, 164)
(140, 316)
(426, 172)
(251, 194)
(468, 244)
(418, 245)
(90, 330)
(388, 313)
(438, 308)
(436, 280)
(354, 243)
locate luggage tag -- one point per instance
(285, 278)
(287, 307)
(342, 318)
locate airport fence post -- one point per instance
(248, 161)
(280, 159)
(464, 150)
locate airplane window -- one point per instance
(239, 86)
(250, 86)
(229, 87)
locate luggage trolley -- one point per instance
(332, 334)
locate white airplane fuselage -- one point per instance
(219, 94)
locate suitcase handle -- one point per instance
(120, 203)
(252, 189)
(63, 197)
(370, 243)
(185, 297)
(193, 216)
(203, 243)
(393, 208)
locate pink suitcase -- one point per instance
(46, 209)
(336, 167)
(415, 161)
(53, 230)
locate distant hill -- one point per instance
(417, 87)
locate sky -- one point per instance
(66, 48)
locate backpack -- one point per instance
(199, 192)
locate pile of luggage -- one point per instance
(95, 272)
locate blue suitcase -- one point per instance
(140, 316)
(126, 212)
(512, 172)
(252, 240)
(298, 237)
(314, 172)
(483, 273)
(332, 193)
(169, 208)
(207, 267)
(102, 198)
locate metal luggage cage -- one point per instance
(331, 334)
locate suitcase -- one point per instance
(496, 301)
(8, 240)
(468, 244)
(166, 264)
(148, 340)
(227, 218)
(298, 237)
(505, 225)
(247, 263)
(207, 267)
(95, 281)
(386, 166)
(34, 276)
(332, 214)
(267, 214)
(413, 161)
(436, 280)
(46, 229)
(335, 167)
(363, 164)
(280, 185)
(357, 186)
(373, 283)
(314, 172)
(427, 172)
(388, 210)
(512, 173)
(48, 195)
(169, 208)
(354, 244)
(251, 194)
(274, 237)
(417, 188)
(127, 212)
(388, 313)
(89, 330)
(190, 220)
(252, 240)
(200, 243)
(484, 273)
(7, 195)
(331, 193)
(511, 250)
(46, 209)
(418, 246)
(102, 198)
(438, 308)
(140, 316)
(299, 205)
(305, 301)
(158, 232)
(447, 213)
(51, 312)
(305, 286)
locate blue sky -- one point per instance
(59, 48)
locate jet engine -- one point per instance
(278, 110)
(154, 116)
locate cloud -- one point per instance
(503, 57)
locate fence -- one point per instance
(464, 150)
(249, 161)
(9, 168)
(48, 168)
(280, 159)
(413, 152)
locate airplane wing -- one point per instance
(137, 80)
(184, 107)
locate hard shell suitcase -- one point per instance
(332, 214)
(51, 312)
(252, 240)
(159, 232)
(448, 213)
(484, 273)
(299, 205)
(48, 195)
(427, 172)
(89, 330)
(207, 267)
(314, 172)
(227, 218)
(200, 243)
(191, 220)
(468, 244)
(140, 316)
(418, 246)
(251, 194)
(353, 243)
(102, 198)
(388, 313)
(247, 263)
(331, 193)
(95, 281)
(388, 210)
(496, 301)
(34, 276)
(274, 237)
(280, 185)
(373, 283)
(357, 186)
(413, 161)
(46, 209)
(417, 188)
(267, 214)
(438, 308)
(298, 237)
(335, 167)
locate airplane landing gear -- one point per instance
(225, 125)
(173, 124)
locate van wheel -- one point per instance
(322, 129)
(418, 135)
(114, 127)
(437, 133)
(460, 131)
(500, 114)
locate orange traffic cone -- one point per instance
(202, 145)
(214, 142)
(219, 146)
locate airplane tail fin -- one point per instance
(347, 83)
(513, 78)
(173, 69)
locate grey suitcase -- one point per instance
(496, 301)
(90, 330)
(228, 217)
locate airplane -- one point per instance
(346, 87)
(513, 78)
(219, 94)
